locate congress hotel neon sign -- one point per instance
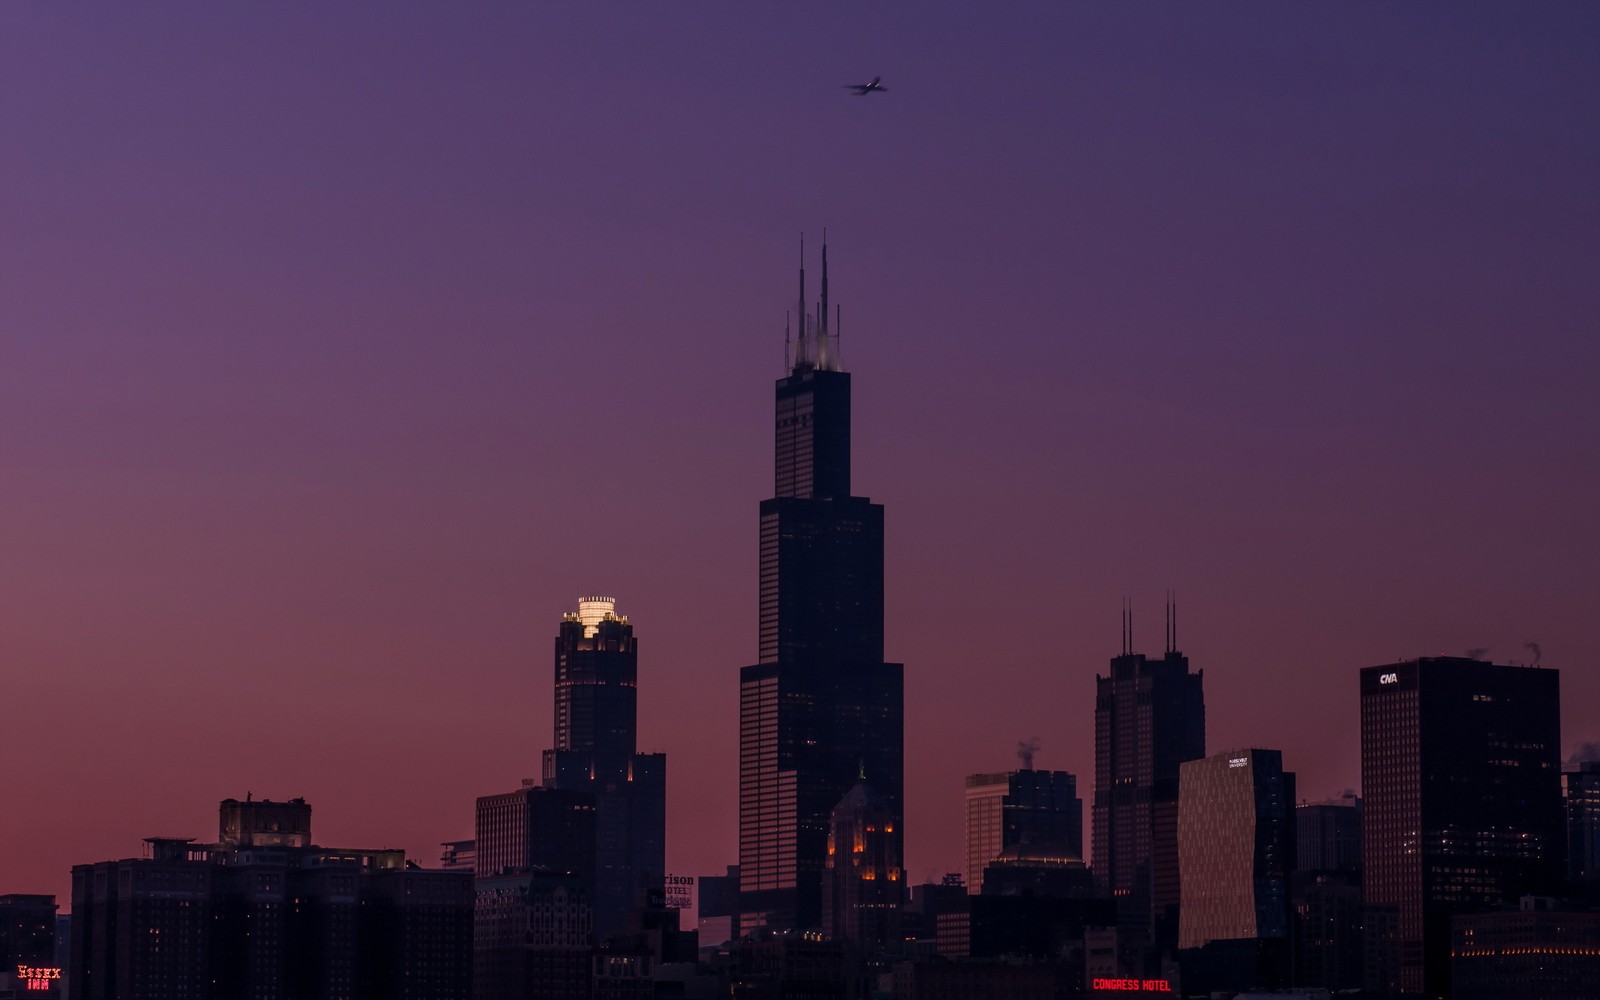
(1134, 985)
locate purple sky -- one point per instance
(346, 346)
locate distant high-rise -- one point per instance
(1461, 798)
(1149, 718)
(1325, 894)
(1328, 836)
(1236, 847)
(253, 915)
(535, 874)
(1582, 791)
(865, 887)
(821, 709)
(1039, 810)
(596, 751)
(27, 931)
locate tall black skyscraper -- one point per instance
(1149, 717)
(1461, 798)
(821, 710)
(596, 716)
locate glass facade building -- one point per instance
(1461, 798)
(821, 709)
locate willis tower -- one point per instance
(821, 712)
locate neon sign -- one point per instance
(1238, 761)
(1134, 985)
(1389, 679)
(38, 979)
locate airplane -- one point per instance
(863, 89)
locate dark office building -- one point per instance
(1328, 922)
(280, 921)
(865, 887)
(1581, 788)
(1325, 894)
(1461, 798)
(533, 936)
(27, 930)
(717, 908)
(1149, 718)
(28, 965)
(1328, 836)
(1538, 951)
(533, 928)
(596, 751)
(536, 829)
(1236, 845)
(821, 710)
(1036, 810)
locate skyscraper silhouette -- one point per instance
(1149, 717)
(821, 710)
(1461, 798)
(596, 730)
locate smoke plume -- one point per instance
(1584, 753)
(1025, 751)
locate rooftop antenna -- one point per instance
(1174, 621)
(824, 280)
(1127, 626)
(786, 340)
(1167, 633)
(800, 352)
(822, 313)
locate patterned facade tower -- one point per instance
(1149, 718)
(821, 707)
(1236, 848)
(866, 884)
(596, 730)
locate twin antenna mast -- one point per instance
(814, 347)
(1171, 637)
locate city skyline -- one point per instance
(306, 450)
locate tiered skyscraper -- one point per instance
(596, 751)
(821, 711)
(1149, 717)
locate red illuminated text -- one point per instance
(1136, 985)
(35, 978)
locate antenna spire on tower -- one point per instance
(800, 350)
(824, 323)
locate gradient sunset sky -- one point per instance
(346, 345)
